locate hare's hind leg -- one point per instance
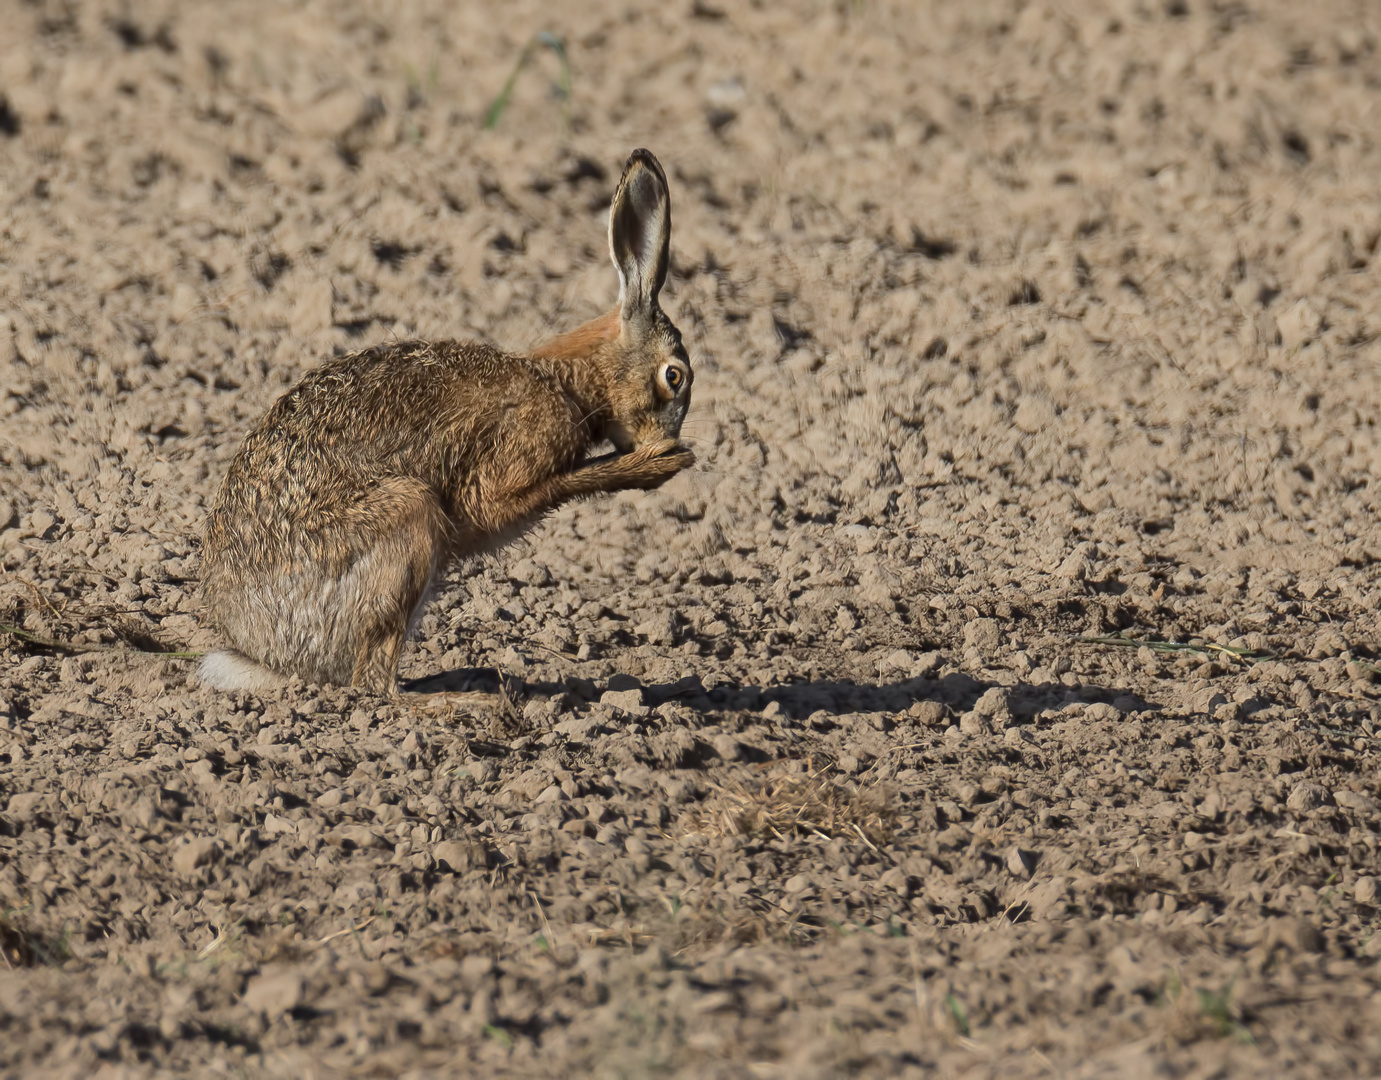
(390, 581)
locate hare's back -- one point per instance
(390, 400)
(398, 383)
(405, 408)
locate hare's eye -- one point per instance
(673, 378)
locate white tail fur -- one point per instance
(226, 669)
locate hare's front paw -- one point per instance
(653, 464)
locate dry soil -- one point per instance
(1014, 324)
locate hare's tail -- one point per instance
(227, 669)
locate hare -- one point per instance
(353, 494)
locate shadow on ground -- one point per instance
(798, 700)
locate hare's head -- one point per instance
(650, 376)
(631, 361)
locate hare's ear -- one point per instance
(640, 234)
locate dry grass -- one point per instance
(784, 804)
(77, 627)
(21, 947)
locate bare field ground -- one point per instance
(1014, 325)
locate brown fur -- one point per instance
(583, 340)
(360, 485)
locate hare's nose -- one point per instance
(673, 417)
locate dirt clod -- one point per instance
(1306, 797)
(273, 992)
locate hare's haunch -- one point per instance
(358, 488)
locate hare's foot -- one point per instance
(645, 467)
(648, 466)
(376, 664)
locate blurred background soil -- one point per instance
(1014, 324)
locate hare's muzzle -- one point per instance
(626, 440)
